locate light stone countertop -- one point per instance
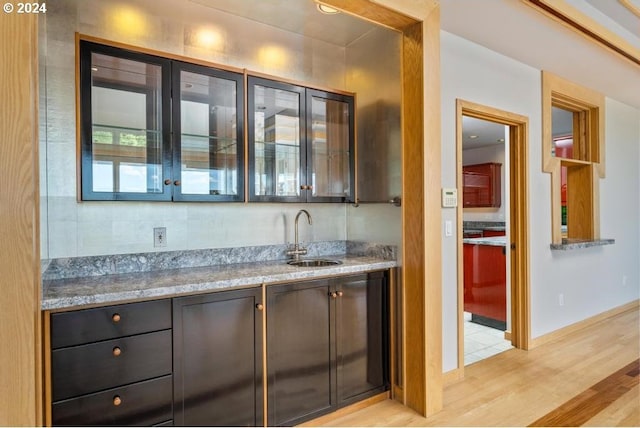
(496, 241)
(77, 293)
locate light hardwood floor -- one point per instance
(518, 388)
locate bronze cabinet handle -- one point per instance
(117, 351)
(117, 400)
(116, 317)
(340, 293)
(167, 182)
(176, 183)
(259, 306)
(333, 294)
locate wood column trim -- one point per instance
(421, 268)
(20, 334)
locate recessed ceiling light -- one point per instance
(473, 137)
(327, 9)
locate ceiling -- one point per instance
(523, 33)
(477, 133)
(297, 16)
(508, 27)
(622, 13)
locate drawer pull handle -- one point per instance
(116, 317)
(117, 351)
(117, 400)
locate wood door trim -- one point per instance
(519, 223)
(21, 357)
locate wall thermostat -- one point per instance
(449, 198)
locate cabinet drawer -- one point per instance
(144, 403)
(84, 369)
(92, 325)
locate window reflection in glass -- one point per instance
(126, 125)
(562, 133)
(209, 146)
(277, 142)
(330, 147)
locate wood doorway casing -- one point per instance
(418, 21)
(518, 224)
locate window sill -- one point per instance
(575, 244)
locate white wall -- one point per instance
(590, 279)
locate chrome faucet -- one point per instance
(296, 252)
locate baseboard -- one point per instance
(557, 334)
(397, 393)
(452, 376)
(326, 419)
(507, 335)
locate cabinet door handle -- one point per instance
(117, 351)
(117, 400)
(167, 182)
(333, 294)
(116, 318)
(340, 293)
(303, 187)
(176, 183)
(259, 306)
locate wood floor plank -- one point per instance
(518, 387)
(592, 401)
(623, 412)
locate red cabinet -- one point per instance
(490, 232)
(485, 279)
(481, 185)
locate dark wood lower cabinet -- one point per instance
(300, 358)
(141, 404)
(362, 337)
(217, 360)
(327, 345)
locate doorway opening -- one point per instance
(493, 287)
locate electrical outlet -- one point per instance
(159, 236)
(561, 299)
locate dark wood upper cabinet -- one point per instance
(482, 185)
(301, 143)
(131, 107)
(208, 151)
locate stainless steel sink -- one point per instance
(314, 262)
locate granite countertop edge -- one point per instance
(494, 241)
(78, 293)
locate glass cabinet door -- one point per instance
(330, 145)
(276, 152)
(124, 124)
(207, 120)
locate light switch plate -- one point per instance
(448, 228)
